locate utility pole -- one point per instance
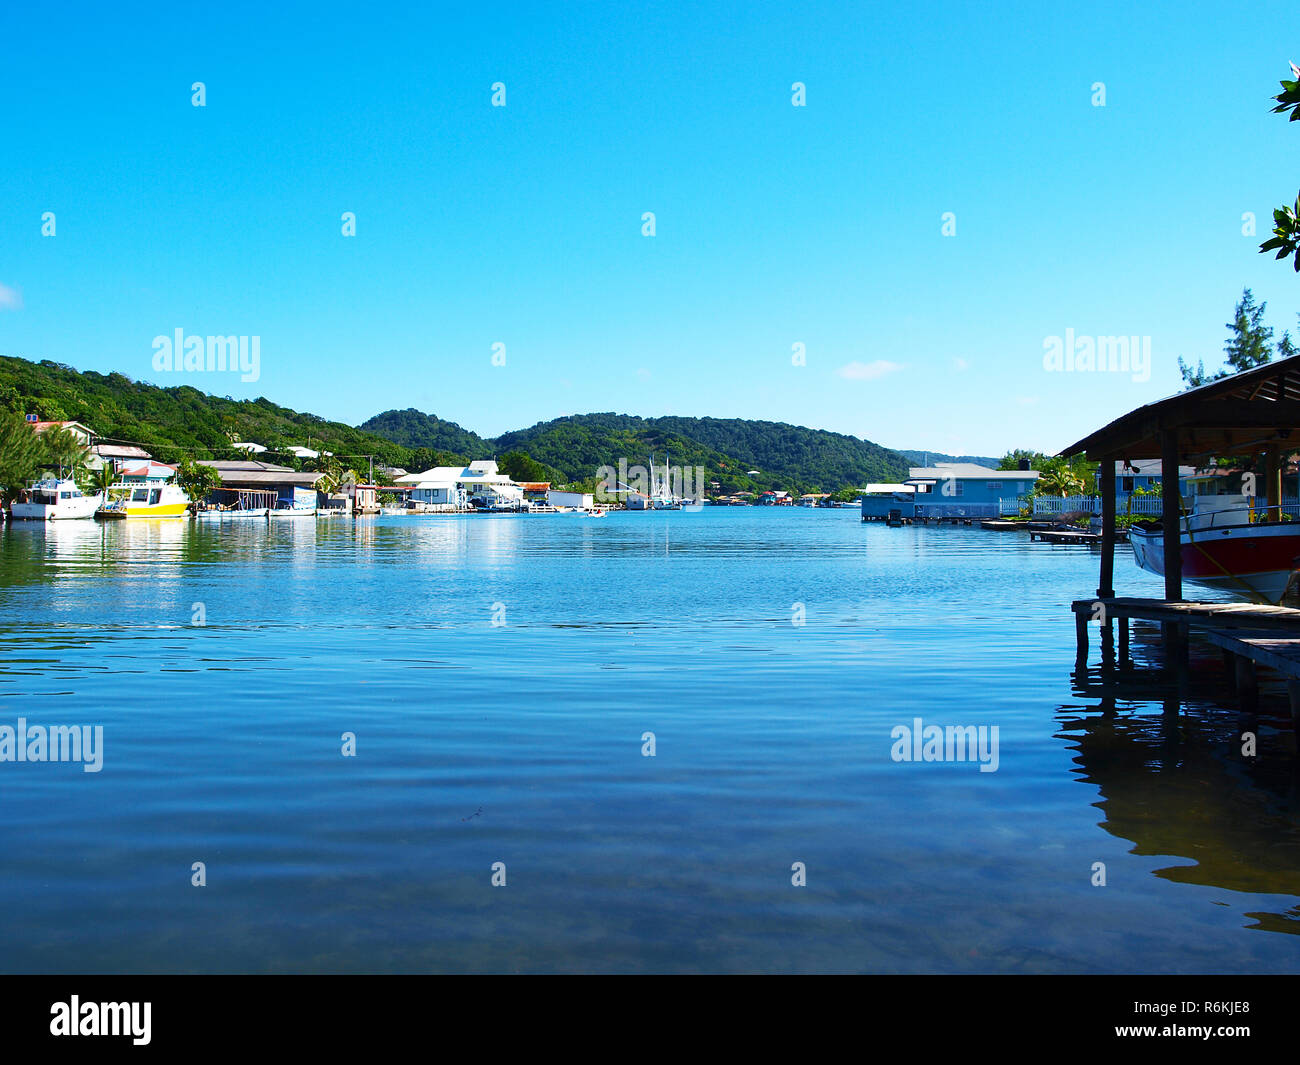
(372, 468)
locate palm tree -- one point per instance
(102, 479)
(1061, 481)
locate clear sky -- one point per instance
(775, 225)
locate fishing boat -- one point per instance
(145, 501)
(1227, 543)
(237, 504)
(286, 509)
(53, 500)
(661, 496)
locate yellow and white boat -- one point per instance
(145, 501)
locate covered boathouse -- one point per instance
(1253, 415)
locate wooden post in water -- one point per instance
(1106, 585)
(1272, 484)
(1170, 515)
(1171, 525)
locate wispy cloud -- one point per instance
(1027, 401)
(960, 364)
(10, 298)
(867, 371)
(643, 374)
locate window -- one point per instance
(1128, 484)
(993, 486)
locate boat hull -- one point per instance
(73, 509)
(1255, 560)
(141, 510)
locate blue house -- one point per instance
(948, 490)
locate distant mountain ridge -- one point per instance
(179, 422)
(786, 456)
(929, 458)
(414, 429)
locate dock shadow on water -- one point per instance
(1186, 772)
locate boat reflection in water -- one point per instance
(1166, 755)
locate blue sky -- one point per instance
(775, 225)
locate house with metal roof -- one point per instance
(480, 484)
(293, 488)
(963, 489)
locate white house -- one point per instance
(479, 484)
(576, 500)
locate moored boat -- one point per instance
(53, 500)
(1221, 547)
(145, 501)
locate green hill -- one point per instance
(413, 429)
(178, 423)
(788, 457)
(181, 422)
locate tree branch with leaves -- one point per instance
(1286, 220)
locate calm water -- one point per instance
(520, 742)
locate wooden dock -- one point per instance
(1064, 536)
(1245, 650)
(1178, 618)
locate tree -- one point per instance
(1012, 459)
(1250, 341)
(21, 453)
(62, 451)
(518, 466)
(1060, 480)
(1249, 344)
(332, 469)
(102, 479)
(196, 480)
(1286, 220)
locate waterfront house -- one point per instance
(82, 433)
(363, 498)
(436, 488)
(949, 490)
(292, 488)
(480, 484)
(115, 456)
(878, 499)
(574, 500)
(147, 472)
(535, 491)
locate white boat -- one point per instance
(285, 509)
(661, 496)
(232, 514)
(1222, 547)
(53, 500)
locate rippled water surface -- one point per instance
(521, 742)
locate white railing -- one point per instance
(1088, 504)
(1148, 505)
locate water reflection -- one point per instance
(1165, 750)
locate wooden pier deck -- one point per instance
(1180, 616)
(1245, 650)
(1064, 536)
